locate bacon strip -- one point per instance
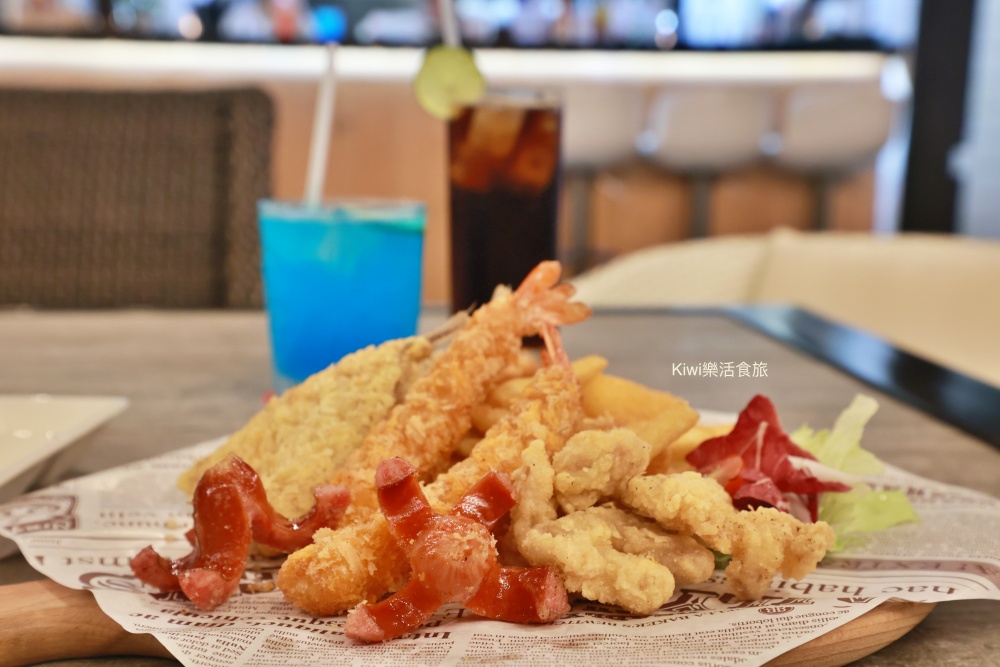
(230, 511)
(453, 559)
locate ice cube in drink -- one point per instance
(504, 173)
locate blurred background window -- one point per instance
(632, 24)
(50, 16)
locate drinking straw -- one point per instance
(322, 126)
(449, 23)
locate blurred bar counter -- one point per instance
(173, 63)
(384, 145)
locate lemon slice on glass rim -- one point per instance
(448, 80)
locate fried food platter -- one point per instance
(617, 494)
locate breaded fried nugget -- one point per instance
(593, 464)
(762, 542)
(687, 503)
(581, 545)
(766, 541)
(301, 437)
(688, 560)
(534, 482)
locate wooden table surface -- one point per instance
(191, 376)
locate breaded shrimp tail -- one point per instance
(361, 562)
(427, 426)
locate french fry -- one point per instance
(589, 367)
(585, 369)
(628, 402)
(504, 395)
(486, 415)
(466, 444)
(665, 428)
(657, 417)
(671, 459)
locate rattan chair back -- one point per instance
(137, 198)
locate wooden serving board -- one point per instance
(41, 621)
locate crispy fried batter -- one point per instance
(549, 412)
(301, 437)
(425, 430)
(766, 541)
(686, 503)
(592, 465)
(762, 542)
(684, 556)
(534, 482)
(361, 562)
(581, 545)
(668, 519)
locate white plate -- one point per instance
(35, 434)
(36, 430)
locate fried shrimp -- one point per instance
(360, 561)
(427, 426)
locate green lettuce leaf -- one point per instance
(840, 447)
(862, 509)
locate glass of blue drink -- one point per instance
(337, 277)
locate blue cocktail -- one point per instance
(338, 277)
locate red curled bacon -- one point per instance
(453, 559)
(230, 511)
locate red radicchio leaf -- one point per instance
(762, 492)
(764, 446)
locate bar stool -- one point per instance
(702, 132)
(600, 127)
(830, 131)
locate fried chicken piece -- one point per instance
(297, 441)
(581, 545)
(596, 465)
(766, 541)
(688, 560)
(593, 464)
(535, 484)
(762, 542)
(686, 503)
